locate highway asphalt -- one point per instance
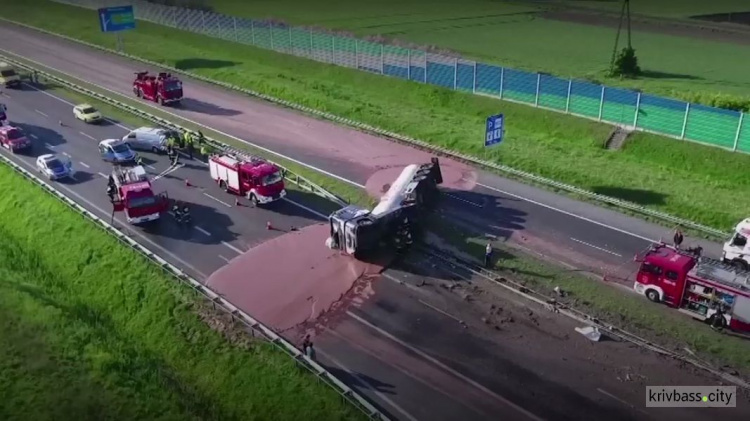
(397, 346)
(575, 233)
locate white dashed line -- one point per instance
(49, 146)
(103, 175)
(41, 113)
(6, 95)
(202, 230)
(463, 200)
(595, 247)
(67, 154)
(224, 258)
(33, 136)
(151, 167)
(218, 200)
(239, 251)
(87, 135)
(312, 211)
(85, 165)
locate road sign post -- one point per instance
(495, 130)
(116, 19)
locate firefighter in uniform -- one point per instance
(172, 154)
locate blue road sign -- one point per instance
(116, 19)
(495, 130)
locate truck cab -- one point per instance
(255, 178)
(736, 250)
(135, 197)
(163, 88)
(662, 274)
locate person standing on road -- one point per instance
(488, 255)
(172, 154)
(307, 347)
(189, 144)
(678, 237)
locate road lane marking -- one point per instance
(239, 251)
(103, 175)
(622, 401)
(452, 196)
(445, 367)
(337, 177)
(218, 200)
(87, 135)
(151, 167)
(224, 259)
(67, 154)
(361, 379)
(41, 113)
(202, 230)
(48, 145)
(564, 212)
(85, 165)
(33, 136)
(301, 206)
(444, 313)
(595, 247)
(129, 232)
(6, 95)
(70, 103)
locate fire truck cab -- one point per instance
(164, 88)
(357, 231)
(134, 196)
(253, 177)
(696, 286)
(736, 249)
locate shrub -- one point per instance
(626, 64)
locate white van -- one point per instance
(147, 139)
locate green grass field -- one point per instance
(91, 330)
(700, 183)
(509, 34)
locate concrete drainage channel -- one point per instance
(448, 257)
(508, 171)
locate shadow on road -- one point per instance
(217, 223)
(638, 196)
(203, 63)
(203, 107)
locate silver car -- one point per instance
(147, 139)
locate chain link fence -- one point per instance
(699, 123)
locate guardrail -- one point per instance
(504, 169)
(295, 178)
(256, 327)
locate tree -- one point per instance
(626, 64)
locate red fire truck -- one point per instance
(696, 286)
(132, 194)
(252, 177)
(164, 88)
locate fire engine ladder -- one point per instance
(723, 273)
(241, 157)
(130, 175)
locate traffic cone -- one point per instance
(269, 227)
(187, 183)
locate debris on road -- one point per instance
(590, 332)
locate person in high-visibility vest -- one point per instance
(189, 143)
(204, 151)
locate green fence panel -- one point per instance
(553, 92)
(261, 33)
(322, 45)
(661, 115)
(585, 98)
(712, 125)
(301, 42)
(519, 86)
(743, 143)
(281, 39)
(619, 106)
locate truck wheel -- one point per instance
(739, 264)
(253, 199)
(652, 295)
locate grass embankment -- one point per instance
(91, 330)
(662, 325)
(689, 180)
(523, 38)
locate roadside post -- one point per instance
(495, 130)
(116, 19)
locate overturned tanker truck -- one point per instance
(358, 231)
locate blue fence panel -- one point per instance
(465, 77)
(441, 71)
(553, 92)
(395, 61)
(519, 85)
(488, 79)
(661, 115)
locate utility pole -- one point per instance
(624, 15)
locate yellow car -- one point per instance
(87, 113)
